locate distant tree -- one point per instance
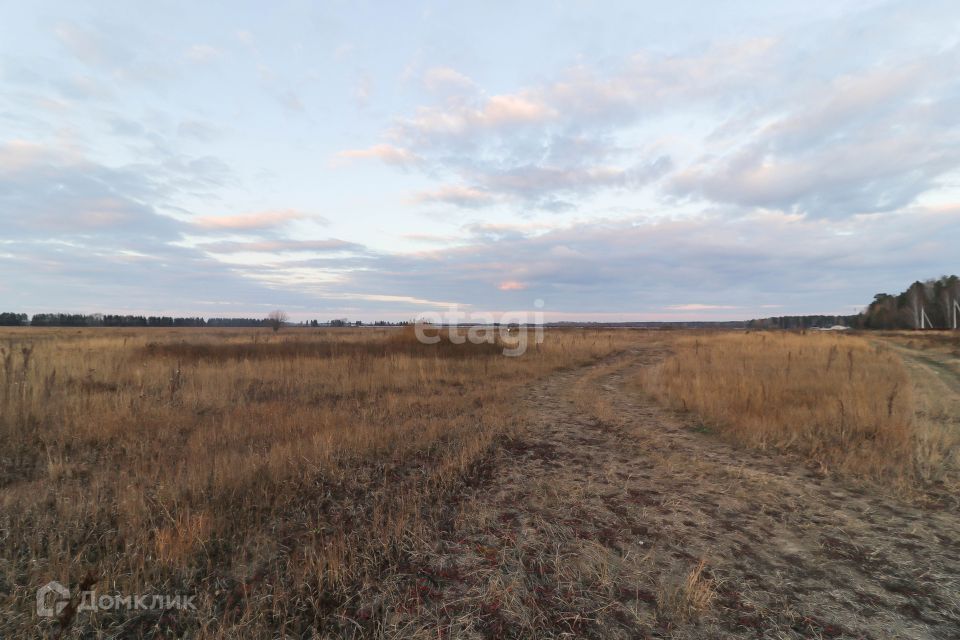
(277, 319)
(236, 322)
(9, 319)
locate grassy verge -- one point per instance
(840, 401)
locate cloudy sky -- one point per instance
(634, 160)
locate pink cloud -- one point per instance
(247, 221)
(17, 155)
(461, 196)
(279, 246)
(511, 285)
(385, 152)
(507, 109)
(496, 111)
(700, 307)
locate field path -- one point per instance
(593, 523)
(942, 367)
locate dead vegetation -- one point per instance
(256, 346)
(842, 402)
(614, 519)
(692, 596)
(353, 483)
(270, 475)
(932, 359)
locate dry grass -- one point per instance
(311, 483)
(933, 360)
(945, 343)
(679, 602)
(837, 400)
(270, 475)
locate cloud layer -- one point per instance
(758, 161)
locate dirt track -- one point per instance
(941, 367)
(589, 524)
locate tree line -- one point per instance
(111, 320)
(10, 319)
(803, 322)
(932, 304)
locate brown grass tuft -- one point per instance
(689, 597)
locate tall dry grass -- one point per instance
(933, 360)
(275, 477)
(835, 399)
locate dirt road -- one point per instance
(612, 517)
(941, 366)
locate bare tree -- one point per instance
(277, 319)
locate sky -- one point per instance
(590, 160)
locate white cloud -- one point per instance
(439, 79)
(865, 143)
(380, 297)
(83, 43)
(863, 136)
(202, 53)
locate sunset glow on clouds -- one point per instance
(259, 220)
(617, 161)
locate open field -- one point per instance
(843, 402)
(350, 483)
(234, 464)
